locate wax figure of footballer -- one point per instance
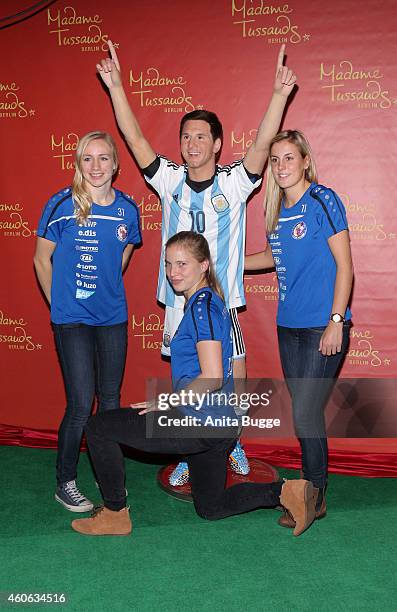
(204, 197)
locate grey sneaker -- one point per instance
(70, 497)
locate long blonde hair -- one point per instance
(274, 194)
(198, 246)
(81, 197)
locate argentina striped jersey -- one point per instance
(218, 212)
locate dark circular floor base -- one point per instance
(260, 472)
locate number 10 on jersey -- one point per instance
(198, 221)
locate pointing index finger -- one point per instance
(280, 58)
(113, 54)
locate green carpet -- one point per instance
(176, 561)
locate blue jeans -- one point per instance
(92, 359)
(310, 377)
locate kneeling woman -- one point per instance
(201, 363)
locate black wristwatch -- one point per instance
(337, 318)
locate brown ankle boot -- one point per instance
(297, 497)
(105, 522)
(286, 520)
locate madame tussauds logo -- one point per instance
(242, 142)
(361, 86)
(11, 103)
(362, 351)
(256, 19)
(364, 222)
(63, 148)
(12, 223)
(165, 91)
(71, 29)
(13, 333)
(149, 329)
(150, 208)
(268, 291)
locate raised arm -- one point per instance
(43, 265)
(109, 69)
(284, 83)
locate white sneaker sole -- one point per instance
(84, 508)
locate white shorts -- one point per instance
(173, 317)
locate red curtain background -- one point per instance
(177, 56)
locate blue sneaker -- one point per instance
(70, 497)
(238, 460)
(180, 475)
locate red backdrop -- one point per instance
(177, 56)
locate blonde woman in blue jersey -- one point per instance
(185, 422)
(308, 245)
(85, 239)
(200, 195)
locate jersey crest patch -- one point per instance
(122, 232)
(220, 203)
(299, 230)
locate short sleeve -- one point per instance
(167, 177)
(134, 232)
(152, 168)
(332, 214)
(207, 318)
(235, 183)
(53, 217)
(135, 236)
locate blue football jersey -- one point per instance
(305, 266)
(87, 284)
(206, 318)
